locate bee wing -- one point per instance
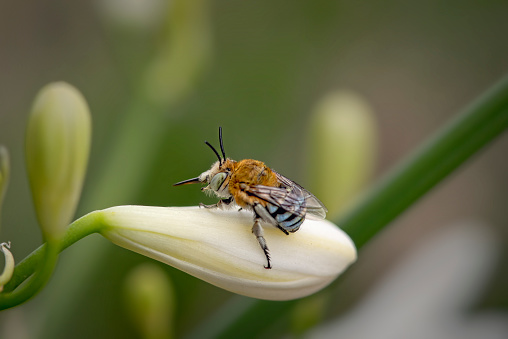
(292, 198)
(315, 208)
(288, 200)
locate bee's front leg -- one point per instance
(209, 206)
(220, 204)
(257, 230)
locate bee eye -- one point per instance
(217, 181)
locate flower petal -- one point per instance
(217, 246)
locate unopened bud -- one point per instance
(57, 148)
(342, 148)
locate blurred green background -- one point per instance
(256, 68)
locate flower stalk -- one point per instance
(84, 226)
(57, 148)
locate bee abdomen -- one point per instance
(287, 220)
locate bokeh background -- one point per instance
(256, 68)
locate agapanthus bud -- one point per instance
(217, 246)
(150, 301)
(342, 148)
(57, 148)
(182, 53)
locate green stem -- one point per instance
(42, 262)
(459, 140)
(49, 257)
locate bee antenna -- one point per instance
(221, 144)
(214, 151)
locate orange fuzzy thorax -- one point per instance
(246, 173)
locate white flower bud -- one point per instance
(218, 247)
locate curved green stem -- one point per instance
(42, 262)
(37, 280)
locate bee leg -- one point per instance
(257, 230)
(221, 204)
(208, 206)
(283, 230)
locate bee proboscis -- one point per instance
(253, 186)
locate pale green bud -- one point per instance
(150, 301)
(6, 275)
(134, 14)
(342, 148)
(309, 312)
(182, 54)
(57, 149)
(4, 175)
(218, 246)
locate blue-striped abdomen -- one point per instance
(288, 220)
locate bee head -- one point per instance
(217, 174)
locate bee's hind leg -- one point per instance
(257, 230)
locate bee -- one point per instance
(253, 186)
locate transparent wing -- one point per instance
(292, 198)
(314, 206)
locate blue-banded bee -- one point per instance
(253, 186)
